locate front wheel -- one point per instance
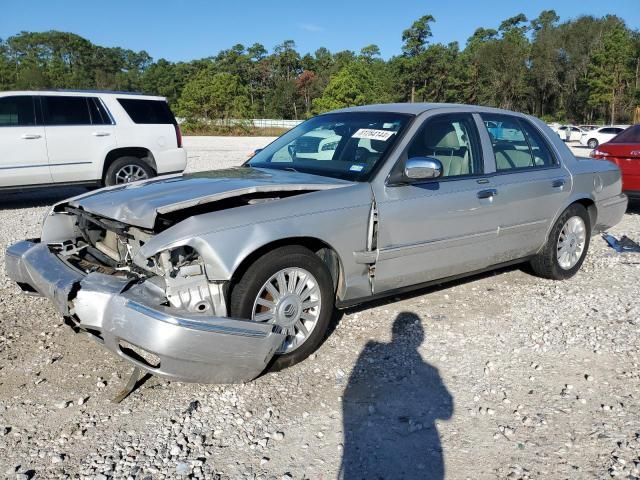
(292, 288)
(592, 143)
(567, 245)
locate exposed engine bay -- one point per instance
(108, 246)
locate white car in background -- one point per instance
(86, 137)
(599, 136)
(575, 133)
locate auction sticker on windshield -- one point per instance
(373, 134)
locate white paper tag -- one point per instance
(356, 168)
(373, 134)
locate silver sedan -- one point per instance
(216, 276)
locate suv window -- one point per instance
(516, 143)
(59, 110)
(453, 140)
(99, 115)
(148, 111)
(17, 111)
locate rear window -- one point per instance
(17, 111)
(148, 111)
(630, 135)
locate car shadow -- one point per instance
(390, 407)
(633, 207)
(40, 197)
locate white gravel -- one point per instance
(517, 377)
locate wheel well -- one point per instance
(591, 209)
(138, 152)
(328, 255)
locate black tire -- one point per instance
(245, 291)
(119, 163)
(545, 264)
(592, 143)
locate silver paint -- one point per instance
(383, 236)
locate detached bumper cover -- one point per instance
(131, 322)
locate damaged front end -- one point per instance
(162, 313)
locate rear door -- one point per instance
(530, 182)
(79, 135)
(23, 149)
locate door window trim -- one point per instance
(519, 120)
(404, 155)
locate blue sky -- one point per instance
(187, 30)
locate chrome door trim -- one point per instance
(414, 248)
(43, 165)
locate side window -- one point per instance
(451, 139)
(17, 111)
(60, 110)
(98, 113)
(516, 143)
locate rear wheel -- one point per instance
(292, 288)
(126, 170)
(567, 245)
(592, 143)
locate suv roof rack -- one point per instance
(72, 90)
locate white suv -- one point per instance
(86, 137)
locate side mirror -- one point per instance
(422, 168)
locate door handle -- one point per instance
(30, 136)
(100, 134)
(558, 183)
(489, 193)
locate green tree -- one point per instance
(610, 73)
(212, 96)
(353, 85)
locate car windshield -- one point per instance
(340, 145)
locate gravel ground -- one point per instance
(503, 375)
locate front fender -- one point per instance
(342, 225)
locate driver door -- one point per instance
(440, 227)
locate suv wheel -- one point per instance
(592, 143)
(291, 288)
(126, 170)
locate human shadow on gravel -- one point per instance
(390, 408)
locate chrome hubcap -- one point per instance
(130, 173)
(291, 300)
(571, 243)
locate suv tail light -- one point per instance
(178, 135)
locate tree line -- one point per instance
(582, 70)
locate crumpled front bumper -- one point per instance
(130, 320)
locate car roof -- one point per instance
(418, 108)
(77, 93)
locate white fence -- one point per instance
(274, 123)
(256, 122)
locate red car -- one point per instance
(624, 151)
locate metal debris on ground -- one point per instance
(624, 245)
